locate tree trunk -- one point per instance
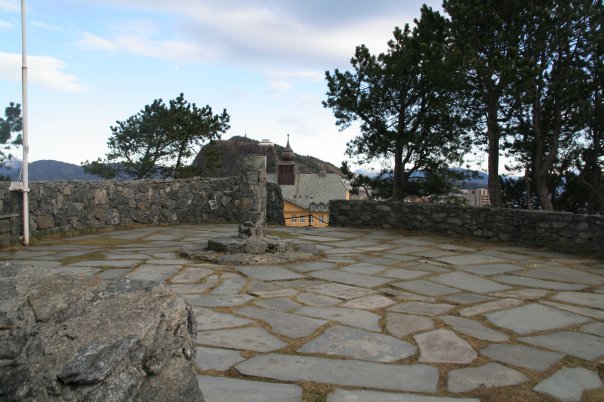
(493, 141)
(397, 184)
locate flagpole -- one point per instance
(25, 166)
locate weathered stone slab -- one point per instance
(401, 325)
(563, 274)
(443, 346)
(349, 278)
(358, 344)
(303, 267)
(218, 300)
(425, 287)
(290, 325)
(474, 329)
(596, 328)
(317, 300)
(568, 384)
(209, 319)
(470, 283)
(349, 316)
(273, 293)
(221, 389)
(249, 338)
(584, 346)
(527, 294)
(534, 317)
(586, 311)
(470, 259)
(371, 302)
(425, 265)
(466, 298)
(155, 273)
(217, 359)
(191, 275)
(339, 290)
(364, 269)
(522, 356)
(421, 308)
(341, 395)
(536, 283)
(487, 376)
(403, 295)
(277, 303)
(406, 274)
(584, 299)
(229, 286)
(489, 306)
(413, 378)
(269, 273)
(490, 269)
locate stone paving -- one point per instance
(381, 317)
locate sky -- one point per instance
(94, 62)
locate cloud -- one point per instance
(141, 45)
(10, 5)
(42, 70)
(44, 25)
(6, 25)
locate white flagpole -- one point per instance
(25, 165)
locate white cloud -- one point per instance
(42, 70)
(6, 25)
(10, 5)
(44, 25)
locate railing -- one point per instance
(307, 219)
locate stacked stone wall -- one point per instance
(559, 231)
(76, 205)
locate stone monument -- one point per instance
(251, 245)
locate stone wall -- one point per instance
(560, 231)
(76, 205)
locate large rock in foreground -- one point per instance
(71, 337)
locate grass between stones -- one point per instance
(84, 257)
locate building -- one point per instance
(478, 197)
(306, 196)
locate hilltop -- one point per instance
(221, 158)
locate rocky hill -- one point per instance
(47, 170)
(221, 158)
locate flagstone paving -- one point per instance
(382, 316)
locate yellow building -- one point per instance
(306, 196)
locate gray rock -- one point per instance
(584, 299)
(341, 395)
(425, 287)
(217, 359)
(290, 325)
(568, 384)
(534, 317)
(584, 346)
(536, 283)
(349, 316)
(489, 306)
(209, 319)
(349, 278)
(218, 300)
(268, 273)
(277, 303)
(358, 344)
(487, 376)
(490, 269)
(317, 300)
(522, 356)
(55, 350)
(371, 302)
(220, 389)
(413, 378)
(443, 346)
(563, 274)
(596, 328)
(250, 338)
(401, 325)
(470, 283)
(474, 329)
(422, 308)
(406, 274)
(466, 298)
(339, 290)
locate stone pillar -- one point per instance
(252, 201)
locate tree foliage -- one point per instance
(11, 124)
(402, 100)
(159, 140)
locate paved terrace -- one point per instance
(383, 317)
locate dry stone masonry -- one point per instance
(561, 231)
(76, 205)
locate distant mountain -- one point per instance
(474, 179)
(47, 170)
(221, 158)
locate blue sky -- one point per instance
(92, 62)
